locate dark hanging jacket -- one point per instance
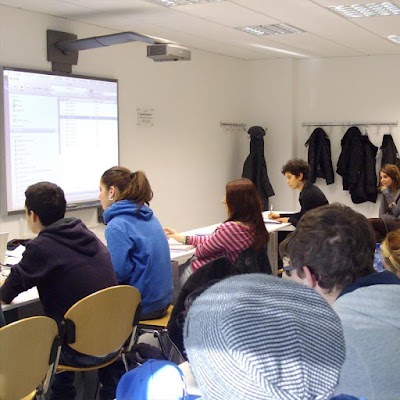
(390, 155)
(356, 165)
(255, 167)
(320, 156)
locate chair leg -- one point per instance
(160, 336)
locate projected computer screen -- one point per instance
(57, 128)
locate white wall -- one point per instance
(187, 156)
(269, 99)
(286, 93)
(348, 89)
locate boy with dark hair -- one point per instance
(66, 262)
(47, 201)
(332, 251)
(297, 173)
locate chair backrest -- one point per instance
(26, 347)
(100, 323)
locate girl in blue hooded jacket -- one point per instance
(136, 241)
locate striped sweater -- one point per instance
(228, 240)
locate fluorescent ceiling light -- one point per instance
(291, 53)
(394, 38)
(173, 3)
(367, 10)
(275, 29)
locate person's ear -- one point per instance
(32, 216)
(301, 176)
(309, 278)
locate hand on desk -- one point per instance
(277, 217)
(172, 233)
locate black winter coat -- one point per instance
(356, 165)
(320, 157)
(390, 155)
(255, 167)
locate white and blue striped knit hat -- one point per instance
(256, 336)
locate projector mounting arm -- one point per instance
(63, 48)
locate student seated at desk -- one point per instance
(332, 251)
(389, 209)
(390, 250)
(297, 173)
(258, 337)
(136, 241)
(243, 229)
(66, 262)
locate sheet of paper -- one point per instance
(271, 221)
(174, 245)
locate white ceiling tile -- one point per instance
(226, 13)
(381, 25)
(209, 27)
(50, 7)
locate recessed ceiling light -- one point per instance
(367, 10)
(394, 38)
(275, 29)
(291, 53)
(173, 3)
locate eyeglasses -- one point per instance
(288, 269)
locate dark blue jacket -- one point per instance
(66, 262)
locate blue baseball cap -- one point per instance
(155, 380)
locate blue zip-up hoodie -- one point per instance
(140, 252)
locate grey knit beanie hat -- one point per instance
(256, 336)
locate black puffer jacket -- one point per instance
(320, 156)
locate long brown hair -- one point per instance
(244, 205)
(132, 186)
(393, 172)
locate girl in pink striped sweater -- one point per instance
(243, 228)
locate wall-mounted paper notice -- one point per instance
(145, 116)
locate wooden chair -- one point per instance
(101, 323)
(158, 327)
(28, 350)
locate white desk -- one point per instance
(181, 256)
(24, 298)
(273, 250)
(178, 257)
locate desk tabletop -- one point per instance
(181, 256)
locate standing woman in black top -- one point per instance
(297, 172)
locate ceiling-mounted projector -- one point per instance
(168, 52)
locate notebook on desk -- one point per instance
(3, 246)
(174, 245)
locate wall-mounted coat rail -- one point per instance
(232, 125)
(349, 123)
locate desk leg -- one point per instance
(175, 279)
(273, 252)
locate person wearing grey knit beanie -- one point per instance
(259, 337)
